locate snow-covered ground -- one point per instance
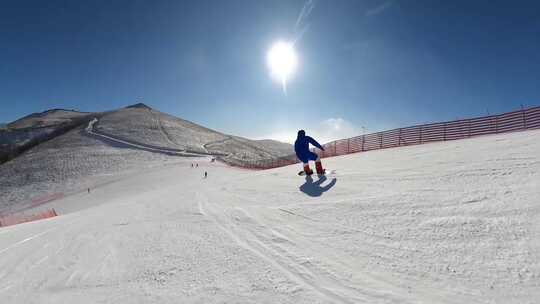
(70, 163)
(451, 222)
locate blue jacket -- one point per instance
(301, 147)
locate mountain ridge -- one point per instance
(137, 123)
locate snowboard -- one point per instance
(325, 172)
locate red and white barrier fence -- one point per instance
(15, 219)
(33, 203)
(524, 119)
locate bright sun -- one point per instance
(282, 62)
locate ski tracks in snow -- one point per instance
(278, 250)
(33, 257)
(27, 239)
(296, 273)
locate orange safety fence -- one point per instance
(33, 203)
(15, 219)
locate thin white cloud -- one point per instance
(304, 13)
(326, 131)
(300, 26)
(336, 128)
(379, 9)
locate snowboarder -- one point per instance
(301, 147)
(205, 174)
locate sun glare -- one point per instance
(282, 62)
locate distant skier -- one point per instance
(301, 147)
(205, 174)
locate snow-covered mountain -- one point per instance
(47, 118)
(142, 124)
(59, 155)
(446, 222)
(33, 129)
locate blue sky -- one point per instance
(372, 64)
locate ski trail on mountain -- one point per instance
(205, 146)
(159, 124)
(91, 130)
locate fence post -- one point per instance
(497, 124)
(363, 141)
(444, 131)
(380, 144)
(335, 148)
(399, 138)
(348, 145)
(523, 115)
(470, 122)
(420, 134)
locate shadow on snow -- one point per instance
(315, 189)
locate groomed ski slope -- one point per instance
(452, 222)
